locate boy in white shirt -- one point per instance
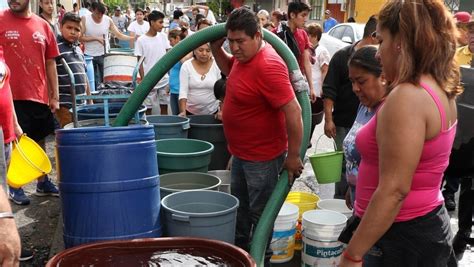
(153, 46)
(138, 27)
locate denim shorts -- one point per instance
(423, 241)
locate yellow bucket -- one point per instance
(305, 201)
(28, 162)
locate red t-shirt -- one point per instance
(27, 44)
(302, 39)
(254, 126)
(6, 106)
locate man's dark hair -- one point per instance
(87, 5)
(70, 16)
(370, 26)
(297, 7)
(243, 19)
(98, 6)
(199, 16)
(139, 10)
(155, 15)
(177, 14)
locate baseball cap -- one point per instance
(462, 17)
(118, 8)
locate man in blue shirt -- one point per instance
(329, 22)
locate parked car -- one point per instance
(348, 32)
(331, 44)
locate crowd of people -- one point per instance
(389, 103)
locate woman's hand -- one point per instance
(347, 263)
(348, 199)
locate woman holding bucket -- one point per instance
(405, 147)
(368, 83)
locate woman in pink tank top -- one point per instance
(405, 147)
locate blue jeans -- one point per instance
(252, 183)
(98, 63)
(174, 103)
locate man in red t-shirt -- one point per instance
(261, 118)
(30, 49)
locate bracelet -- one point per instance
(347, 256)
(6, 214)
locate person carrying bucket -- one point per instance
(29, 44)
(10, 130)
(259, 99)
(400, 219)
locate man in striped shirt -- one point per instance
(69, 50)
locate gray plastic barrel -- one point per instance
(224, 175)
(201, 213)
(207, 128)
(169, 126)
(185, 181)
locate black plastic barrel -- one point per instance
(108, 183)
(207, 128)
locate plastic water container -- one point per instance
(169, 126)
(201, 213)
(225, 177)
(185, 181)
(305, 201)
(338, 205)
(119, 67)
(109, 183)
(321, 228)
(284, 230)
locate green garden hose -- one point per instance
(265, 225)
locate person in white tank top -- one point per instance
(95, 34)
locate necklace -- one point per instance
(203, 77)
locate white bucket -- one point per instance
(284, 230)
(338, 205)
(321, 228)
(119, 67)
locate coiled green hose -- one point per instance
(265, 225)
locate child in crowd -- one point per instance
(219, 92)
(174, 36)
(69, 50)
(153, 46)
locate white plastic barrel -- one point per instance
(119, 67)
(321, 228)
(284, 230)
(338, 205)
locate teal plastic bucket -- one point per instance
(201, 213)
(183, 155)
(169, 126)
(185, 181)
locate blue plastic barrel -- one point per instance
(108, 183)
(90, 72)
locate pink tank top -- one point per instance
(425, 194)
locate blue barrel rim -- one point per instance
(188, 154)
(95, 129)
(200, 215)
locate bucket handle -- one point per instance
(22, 154)
(186, 126)
(319, 138)
(181, 218)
